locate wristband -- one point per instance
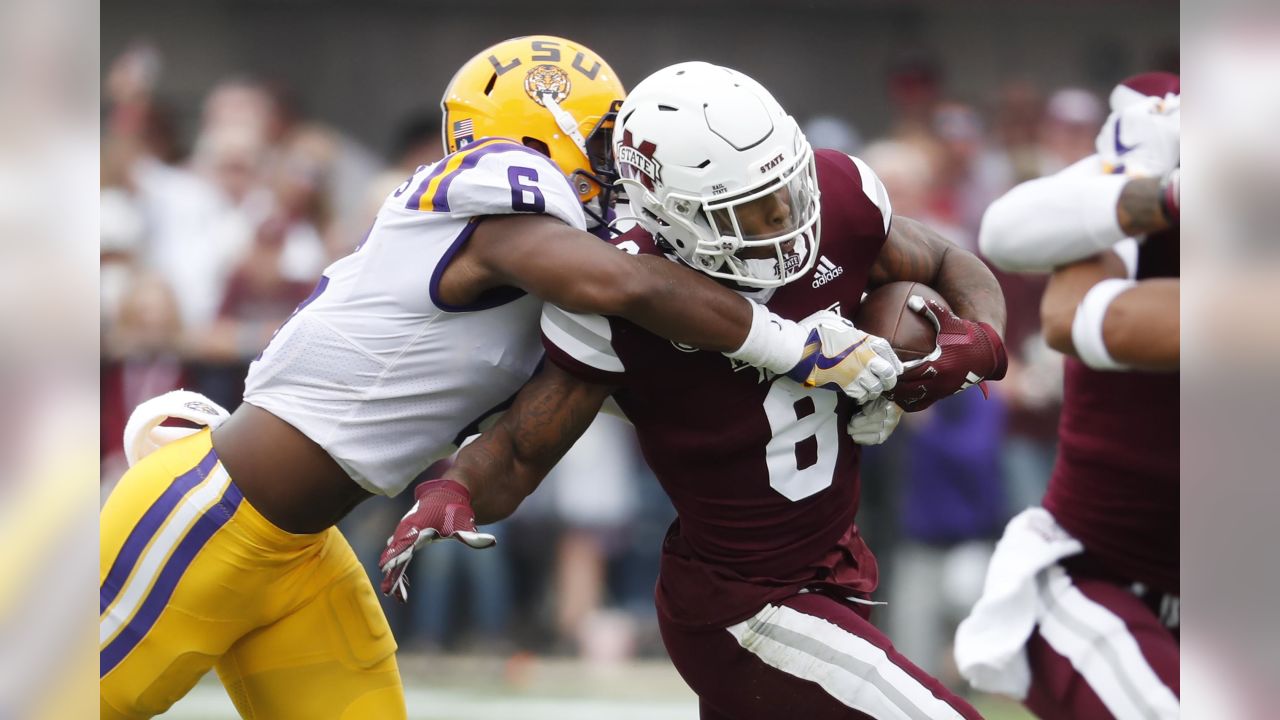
(1086, 328)
(773, 343)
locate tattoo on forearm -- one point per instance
(1138, 210)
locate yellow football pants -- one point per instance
(192, 577)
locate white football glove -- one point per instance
(875, 421)
(1143, 138)
(841, 357)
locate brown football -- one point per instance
(884, 312)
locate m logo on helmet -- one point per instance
(636, 162)
(544, 80)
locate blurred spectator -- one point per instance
(1032, 390)
(1071, 121)
(186, 214)
(908, 176)
(971, 171)
(1033, 386)
(952, 509)
(463, 598)
(593, 488)
(913, 84)
(1019, 109)
(122, 233)
(140, 359)
(451, 573)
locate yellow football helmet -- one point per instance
(544, 89)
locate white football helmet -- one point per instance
(696, 145)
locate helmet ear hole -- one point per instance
(536, 144)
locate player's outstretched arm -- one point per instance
(1052, 221)
(970, 349)
(492, 475)
(508, 462)
(1091, 311)
(577, 272)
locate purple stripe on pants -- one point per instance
(148, 526)
(145, 618)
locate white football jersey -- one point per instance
(374, 366)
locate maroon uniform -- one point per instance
(1115, 489)
(763, 570)
(1115, 485)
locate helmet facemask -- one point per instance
(598, 147)
(721, 236)
(720, 174)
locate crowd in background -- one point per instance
(212, 233)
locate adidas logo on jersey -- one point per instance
(827, 271)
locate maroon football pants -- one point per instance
(809, 657)
(1101, 651)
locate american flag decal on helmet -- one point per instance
(464, 132)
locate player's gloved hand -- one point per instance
(442, 511)
(839, 356)
(875, 421)
(1143, 138)
(967, 353)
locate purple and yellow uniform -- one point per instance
(386, 377)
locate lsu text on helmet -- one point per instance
(550, 93)
(703, 150)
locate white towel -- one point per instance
(991, 643)
(144, 434)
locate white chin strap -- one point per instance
(565, 121)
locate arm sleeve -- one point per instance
(1044, 223)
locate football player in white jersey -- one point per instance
(219, 549)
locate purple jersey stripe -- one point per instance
(415, 200)
(491, 298)
(148, 526)
(196, 538)
(440, 201)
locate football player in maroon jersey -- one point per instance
(765, 583)
(1079, 617)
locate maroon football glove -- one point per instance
(443, 511)
(968, 353)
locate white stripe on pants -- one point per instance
(851, 669)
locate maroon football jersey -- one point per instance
(1115, 484)
(761, 470)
